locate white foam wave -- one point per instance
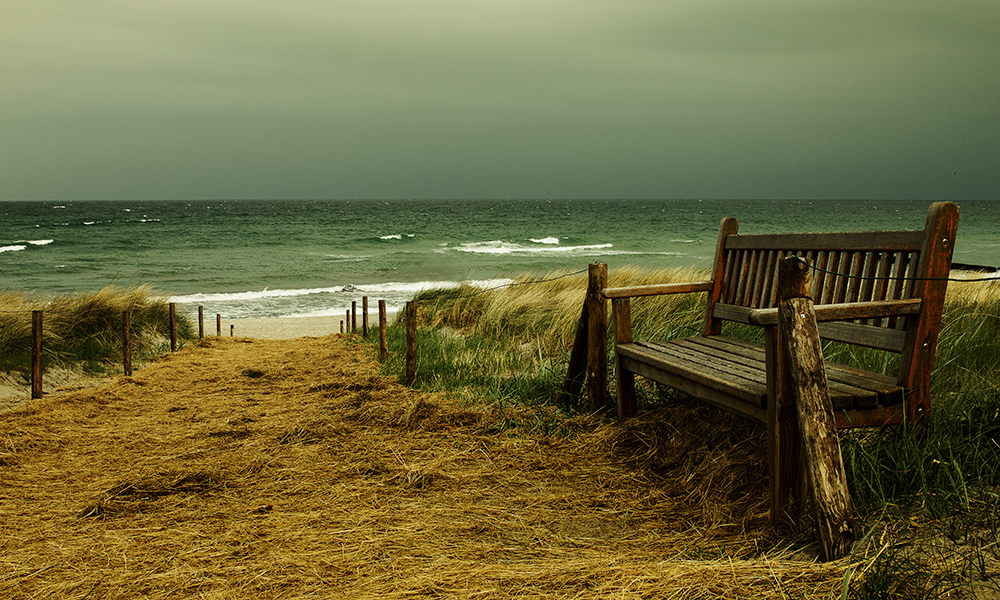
(40, 242)
(501, 247)
(396, 236)
(14, 248)
(545, 240)
(395, 288)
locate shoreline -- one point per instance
(286, 328)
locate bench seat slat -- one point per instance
(847, 390)
(885, 388)
(737, 367)
(737, 387)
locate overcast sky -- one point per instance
(105, 99)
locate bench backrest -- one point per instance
(850, 267)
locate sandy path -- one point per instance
(286, 469)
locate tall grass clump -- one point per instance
(85, 329)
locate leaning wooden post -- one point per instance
(824, 462)
(577, 369)
(36, 354)
(597, 337)
(173, 327)
(201, 322)
(383, 343)
(364, 316)
(411, 342)
(126, 343)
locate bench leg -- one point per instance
(626, 391)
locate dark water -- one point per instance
(259, 258)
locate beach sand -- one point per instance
(286, 328)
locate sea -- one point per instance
(282, 258)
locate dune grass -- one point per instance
(923, 496)
(85, 329)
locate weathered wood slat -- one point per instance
(849, 388)
(696, 389)
(736, 387)
(906, 240)
(656, 289)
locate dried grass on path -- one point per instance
(288, 469)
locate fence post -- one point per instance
(341, 326)
(383, 345)
(364, 316)
(347, 317)
(597, 337)
(218, 325)
(201, 322)
(36, 354)
(173, 327)
(126, 343)
(824, 462)
(411, 342)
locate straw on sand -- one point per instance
(246, 468)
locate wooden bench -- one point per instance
(877, 289)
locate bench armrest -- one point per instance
(657, 289)
(828, 312)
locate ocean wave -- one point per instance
(19, 245)
(395, 288)
(396, 236)
(545, 240)
(501, 247)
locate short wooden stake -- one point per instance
(364, 316)
(232, 330)
(173, 327)
(341, 326)
(201, 322)
(411, 342)
(383, 345)
(347, 317)
(824, 462)
(597, 337)
(218, 325)
(36, 354)
(127, 343)
(354, 316)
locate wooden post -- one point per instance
(383, 344)
(824, 462)
(354, 316)
(218, 325)
(597, 337)
(173, 327)
(411, 342)
(36, 354)
(341, 326)
(232, 330)
(576, 372)
(364, 316)
(201, 322)
(127, 343)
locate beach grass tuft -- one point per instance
(85, 329)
